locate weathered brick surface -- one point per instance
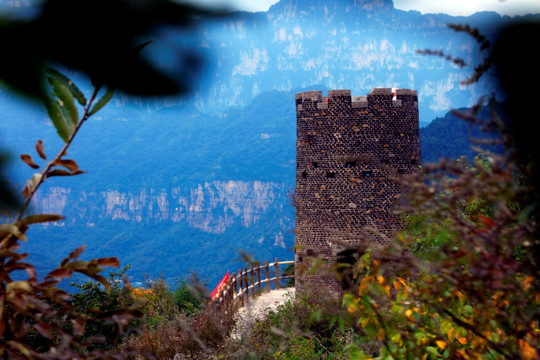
(350, 153)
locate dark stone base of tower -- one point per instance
(350, 154)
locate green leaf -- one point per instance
(67, 101)
(69, 84)
(432, 351)
(58, 118)
(102, 102)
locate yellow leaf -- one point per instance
(441, 344)
(461, 340)
(408, 313)
(19, 285)
(479, 342)
(380, 279)
(527, 282)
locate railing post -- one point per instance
(241, 287)
(252, 280)
(259, 278)
(225, 296)
(246, 285)
(277, 274)
(267, 274)
(233, 289)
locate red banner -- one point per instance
(220, 286)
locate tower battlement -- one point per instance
(349, 152)
(377, 97)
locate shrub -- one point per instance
(190, 297)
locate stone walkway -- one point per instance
(256, 309)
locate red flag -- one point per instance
(220, 286)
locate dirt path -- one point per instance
(257, 309)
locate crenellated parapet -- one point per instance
(385, 97)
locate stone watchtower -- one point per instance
(349, 153)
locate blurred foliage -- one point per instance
(175, 322)
(88, 37)
(97, 37)
(37, 319)
(461, 281)
(190, 297)
(91, 298)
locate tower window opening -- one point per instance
(366, 174)
(413, 162)
(304, 174)
(330, 174)
(315, 164)
(350, 164)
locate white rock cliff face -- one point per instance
(211, 206)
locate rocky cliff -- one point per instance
(211, 206)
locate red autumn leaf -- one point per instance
(48, 283)
(60, 172)
(40, 150)
(78, 326)
(44, 329)
(75, 253)
(31, 271)
(27, 159)
(71, 165)
(111, 262)
(59, 274)
(486, 220)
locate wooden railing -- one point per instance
(246, 284)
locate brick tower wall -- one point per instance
(349, 152)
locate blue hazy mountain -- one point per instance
(342, 44)
(182, 184)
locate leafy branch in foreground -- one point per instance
(37, 320)
(484, 45)
(63, 112)
(463, 281)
